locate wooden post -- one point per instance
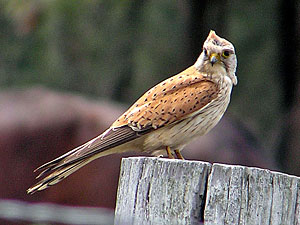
(161, 191)
(247, 195)
(164, 191)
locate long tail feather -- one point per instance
(57, 176)
(108, 143)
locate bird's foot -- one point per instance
(178, 154)
(169, 152)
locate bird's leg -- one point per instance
(178, 154)
(170, 156)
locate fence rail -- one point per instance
(13, 210)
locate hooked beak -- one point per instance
(213, 58)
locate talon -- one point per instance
(178, 154)
(170, 156)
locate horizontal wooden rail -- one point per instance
(164, 191)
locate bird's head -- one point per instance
(217, 57)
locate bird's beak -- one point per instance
(213, 58)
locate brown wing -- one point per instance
(170, 101)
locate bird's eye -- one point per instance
(205, 51)
(225, 54)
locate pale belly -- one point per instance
(178, 135)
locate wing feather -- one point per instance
(171, 101)
(109, 139)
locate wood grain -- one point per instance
(164, 191)
(161, 191)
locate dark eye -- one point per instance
(225, 54)
(205, 51)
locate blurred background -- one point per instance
(68, 69)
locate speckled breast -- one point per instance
(199, 123)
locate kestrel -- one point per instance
(166, 118)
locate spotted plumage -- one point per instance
(165, 118)
(169, 101)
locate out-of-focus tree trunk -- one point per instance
(289, 59)
(204, 17)
(289, 50)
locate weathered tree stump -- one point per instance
(164, 191)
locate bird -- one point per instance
(164, 119)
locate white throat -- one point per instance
(214, 72)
